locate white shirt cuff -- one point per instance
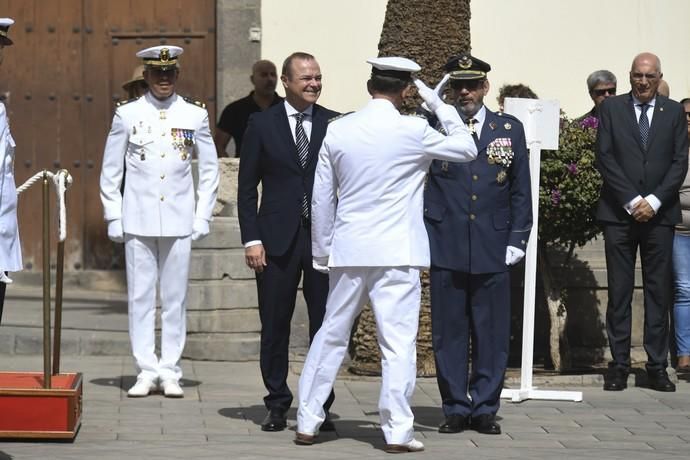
(631, 204)
(252, 243)
(653, 202)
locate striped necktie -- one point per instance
(302, 144)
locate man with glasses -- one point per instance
(601, 84)
(478, 216)
(642, 155)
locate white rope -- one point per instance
(62, 180)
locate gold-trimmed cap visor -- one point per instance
(161, 57)
(466, 67)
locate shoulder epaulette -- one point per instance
(195, 102)
(121, 103)
(507, 115)
(338, 117)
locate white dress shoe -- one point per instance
(142, 388)
(172, 389)
(412, 446)
(4, 278)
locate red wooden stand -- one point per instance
(43, 405)
(31, 411)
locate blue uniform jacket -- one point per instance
(474, 210)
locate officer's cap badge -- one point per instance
(465, 62)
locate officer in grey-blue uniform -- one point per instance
(153, 138)
(478, 216)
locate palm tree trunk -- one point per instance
(429, 33)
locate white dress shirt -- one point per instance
(651, 199)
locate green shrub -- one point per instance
(569, 186)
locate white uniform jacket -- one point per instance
(153, 142)
(368, 191)
(10, 247)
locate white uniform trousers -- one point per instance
(163, 261)
(394, 293)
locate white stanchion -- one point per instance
(538, 119)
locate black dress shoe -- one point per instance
(276, 420)
(616, 379)
(327, 424)
(658, 380)
(485, 424)
(454, 424)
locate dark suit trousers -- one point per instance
(277, 288)
(656, 247)
(470, 308)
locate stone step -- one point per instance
(227, 293)
(223, 347)
(206, 346)
(22, 340)
(218, 264)
(225, 233)
(223, 321)
(91, 280)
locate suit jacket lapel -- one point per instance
(318, 132)
(285, 136)
(656, 119)
(632, 118)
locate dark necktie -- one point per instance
(470, 122)
(644, 124)
(302, 144)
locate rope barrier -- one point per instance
(62, 180)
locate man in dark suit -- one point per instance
(280, 150)
(478, 216)
(642, 154)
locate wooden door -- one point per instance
(60, 81)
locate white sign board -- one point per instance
(540, 120)
(539, 117)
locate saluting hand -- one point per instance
(432, 98)
(255, 257)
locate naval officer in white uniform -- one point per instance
(153, 138)
(368, 229)
(10, 247)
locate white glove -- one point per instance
(432, 99)
(320, 264)
(514, 255)
(199, 229)
(115, 233)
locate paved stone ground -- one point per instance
(220, 415)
